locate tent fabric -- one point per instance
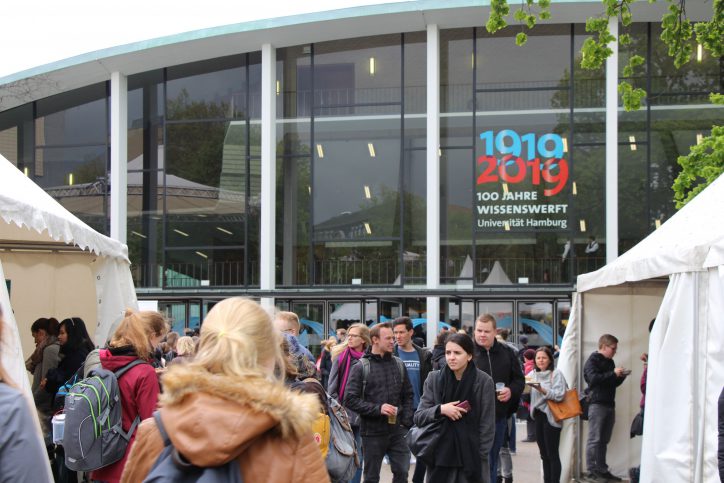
(10, 348)
(25, 204)
(682, 244)
(32, 216)
(685, 348)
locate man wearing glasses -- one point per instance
(603, 377)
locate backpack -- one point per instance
(366, 371)
(93, 436)
(172, 467)
(342, 459)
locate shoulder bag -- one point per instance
(568, 407)
(423, 441)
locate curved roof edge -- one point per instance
(262, 24)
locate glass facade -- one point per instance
(522, 163)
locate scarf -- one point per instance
(345, 363)
(461, 437)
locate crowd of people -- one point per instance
(227, 396)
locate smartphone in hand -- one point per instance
(464, 405)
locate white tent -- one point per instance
(676, 275)
(55, 265)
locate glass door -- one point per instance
(342, 314)
(312, 320)
(535, 321)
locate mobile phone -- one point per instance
(626, 372)
(533, 383)
(464, 405)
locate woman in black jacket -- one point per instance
(75, 344)
(466, 434)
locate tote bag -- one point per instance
(568, 407)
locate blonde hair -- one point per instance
(185, 346)
(136, 330)
(364, 333)
(289, 317)
(238, 339)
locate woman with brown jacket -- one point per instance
(228, 403)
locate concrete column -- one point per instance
(119, 156)
(612, 146)
(433, 179)
(267, 239)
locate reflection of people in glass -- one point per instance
(591, 253)
(564, 261)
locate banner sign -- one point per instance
(521, 182)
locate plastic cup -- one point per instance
(392, 419)
(499, 386)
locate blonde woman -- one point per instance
(136, 337)
(185, 349)
(227, 404)
(345, 356)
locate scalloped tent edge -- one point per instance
(34, 230)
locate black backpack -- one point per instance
(172, 467)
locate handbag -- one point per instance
(423, 441)
(568, 407)
(637, 425)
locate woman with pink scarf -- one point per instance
(344, 357)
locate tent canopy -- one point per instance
(56, 264)
(685, 348)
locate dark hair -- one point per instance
(529, 354)
(463, 341)
(50, 326)
(651, 324)
(548, 352)
(403, 320)
(77, 335)
(442, 337)
(375, 331)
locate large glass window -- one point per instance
(342, 169)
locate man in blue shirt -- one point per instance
(418, 362)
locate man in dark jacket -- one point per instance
(501, 364)
(418, 362)
(382, 396)
(603, 377)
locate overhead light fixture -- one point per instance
(26, 171)
(368, 228)
(472, 61)
(439, 152)
(141, 235)
(201, 254)
(575, 189)
(371, 148)
(201, 216)
(565, 144)
(368, 193)
(373, 67)
(279, 87)
(699, 138)
(70, 179)
(180, 232)
(699, 52)
(505, 188)
(583, 225)
(657, 223)
(309, 188)
(222, 230)
(507, 226)
(320, 151)
(632, 140)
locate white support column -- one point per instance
(267, 259)
(433, 179)
(119, 156)
(612, 146)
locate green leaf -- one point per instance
(520, 15)
(521, 39)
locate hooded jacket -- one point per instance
(139, 395)
(212, 419)
(503, 365)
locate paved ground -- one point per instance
(526, 463)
